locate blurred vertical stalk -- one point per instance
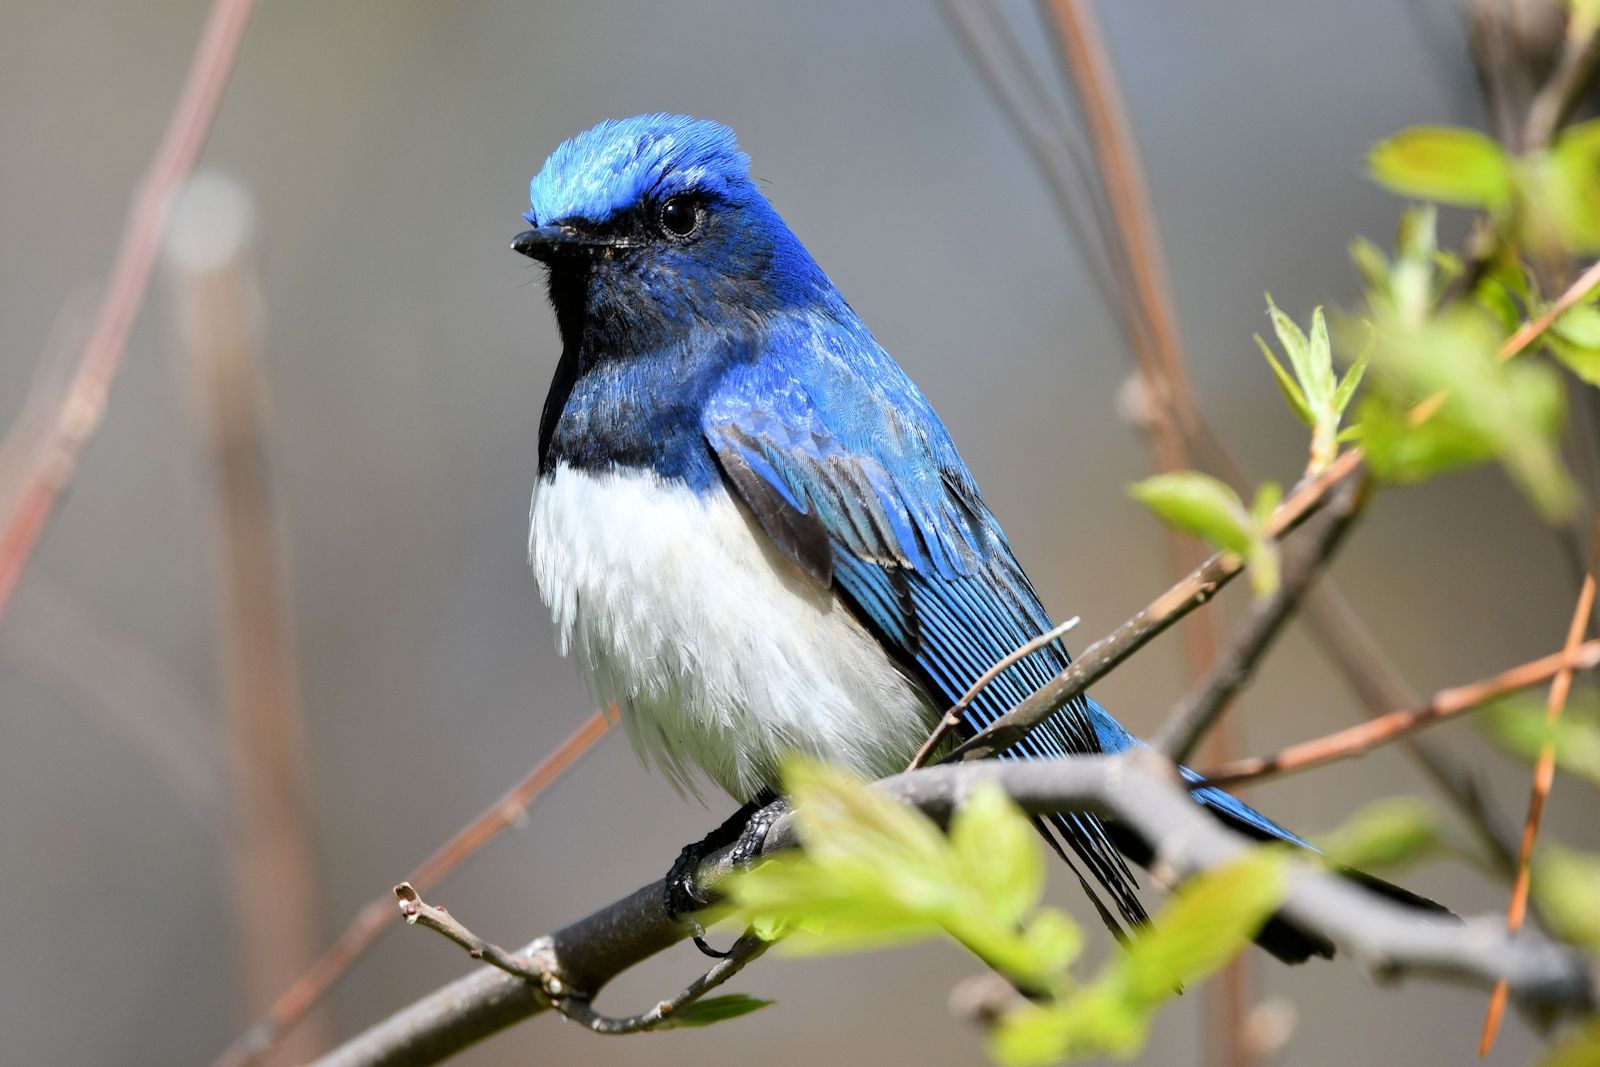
(1168, 395)
(210, 254)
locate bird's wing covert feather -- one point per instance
(857, 482)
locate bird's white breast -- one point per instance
(720, 652)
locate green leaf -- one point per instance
(1287, 385)
(1268, 496)
(1496, 299)
(1508, 270)
(1352, 379)
(1314, 390)
(1444, 163)
(1092, 1022)
(1199, 504)
(1482, 407)
(842, 820)
(1580, 1049)
(1517, 724)
(1208, 921)
(998, 852)
(1370, 263)
(1310, 357)
(1411, 281)
(1565, 188)
(876, 872)
(1390, 833)
(1566, 885)
(1053, 940)
(715, 1010)
(1584, 362)
(1264, 563)
(1575, 339)
(1579, 325)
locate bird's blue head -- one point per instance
(652, 226)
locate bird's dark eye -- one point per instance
(679, 216)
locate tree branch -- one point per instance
(1364, 737)
(1544, 779)
(377, 915)
(1138, 790)
(1381, 687)
(1204, 704)
(953, 717)
(531, 969)
(83, 404)
(1099, 658)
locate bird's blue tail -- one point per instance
(1280, 937)
(1115, 738)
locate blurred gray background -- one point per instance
(407, 354)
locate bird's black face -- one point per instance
(676, 218)
(662, 266)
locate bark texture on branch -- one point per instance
(1137, 789)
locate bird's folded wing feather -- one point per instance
(852, 475)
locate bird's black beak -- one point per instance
(556, 242)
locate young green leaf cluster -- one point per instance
(1547, 198)
(876, 872)
(1313, 391)
(1441, 395)
(1205, 924)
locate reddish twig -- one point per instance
(1445, 704)
(378, 914)
(1187, 723)
(1122, 177)
(84, 402)
(1193, 590)
(272, 873)
(1162, 370)
(1574, 294)
(1544, 776)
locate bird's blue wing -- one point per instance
(849, 471)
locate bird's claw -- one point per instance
(747, 831)
(682, 895)
(753, 838)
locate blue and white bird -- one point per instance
(753, 532)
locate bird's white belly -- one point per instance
(719, 651)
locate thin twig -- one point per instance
(1158, 348)
(1544, 777)
(1189, 593)
(1445, 704)
(1381, 687)
(982, 30)
(378, 914)
(953, 717)
(83, 404)
(527, 967)
(1575, 67)
(418, 912)
(1139, 793)
(1194, 716)
(272, 872)
(1570, 298)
